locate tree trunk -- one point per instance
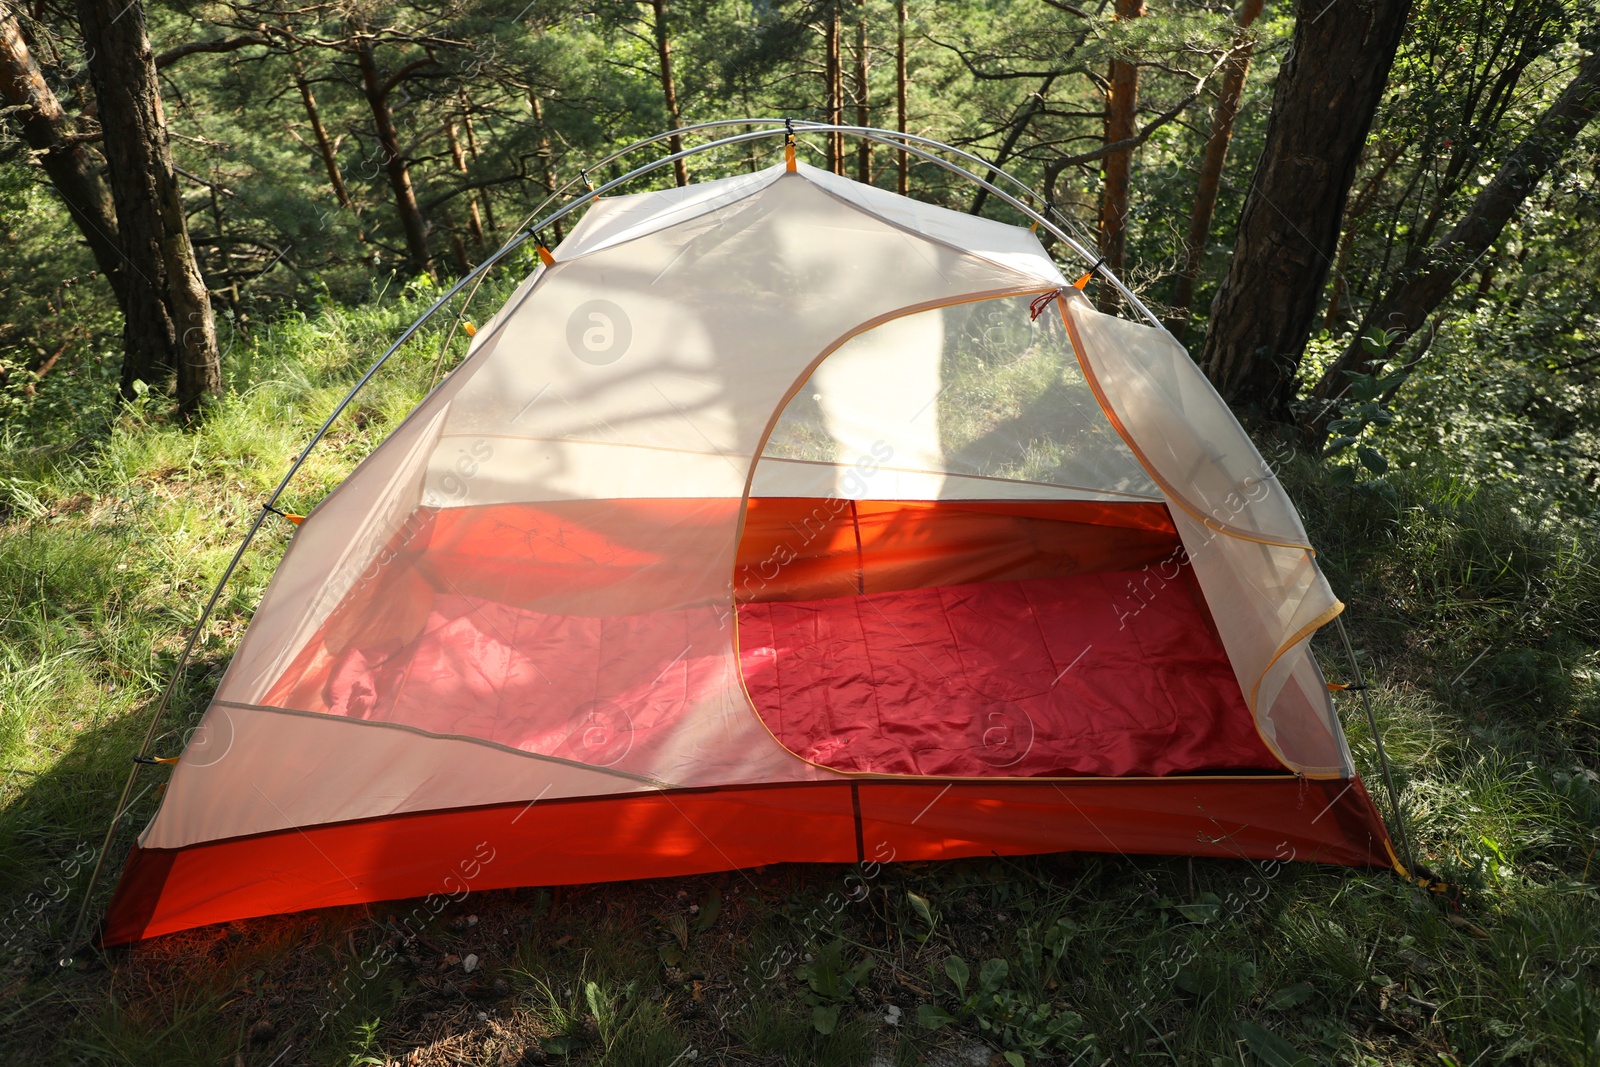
(168, 325)
(324, 146)
(48, 130)
(395, 165)
(1122, 101)
(835, 78)
(863, 112)
(903, 160)
(1425, 285)
(1210, 179)
(546, 168)
(1328, 89)
(459, 158)
(472, 150)
(669, 88)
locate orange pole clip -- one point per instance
(545, 257)
(471, 330)
(1088, 275)
(788, 157)
(292, 517)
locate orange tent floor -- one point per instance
(661, 833)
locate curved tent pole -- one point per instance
(233, 564)
(142, 756)
(888, 138)
(910, 143)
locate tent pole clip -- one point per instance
(151, 761)
(1347, 687)
(1089, 274)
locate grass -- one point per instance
(1478, 622)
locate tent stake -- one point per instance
(1377, 741)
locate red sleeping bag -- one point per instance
(1061, 676)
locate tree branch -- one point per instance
(226, 44)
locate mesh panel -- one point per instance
(969, 402)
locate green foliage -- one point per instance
(1019, 1021)
(831, 983)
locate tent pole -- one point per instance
(910, 143)
(267, 508)
(890, 138)
(1377, 741)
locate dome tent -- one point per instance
(773, 518)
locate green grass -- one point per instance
(1478, 622)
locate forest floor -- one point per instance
(1478, 623)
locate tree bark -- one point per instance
(1328, 89)
(863, 112)
(903, 160)
(1427, 283)
(168, 325)
(1122, 99)
(472, 150)
(48, 130)
(835, 78)
(395, 165)
(669, 87)
(1210, 178)
(324, 146)
(459, 158)
(546, 168)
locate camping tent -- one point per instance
(773, 518)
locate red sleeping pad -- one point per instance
(1059, 676)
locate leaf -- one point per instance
(670, 954)
(1015, 1059)
(709, 911)
(1342, 476)
(956, 968)
(1271, 1049)
(1290, 996)
(1200, 913)
(923, 909)
(856, 974)
(1373, 460)
(1494, 846)
(824, 1017)
(1339, 444)
(678, 927)
(992, 974)
(591, 994)
(931, 1017)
